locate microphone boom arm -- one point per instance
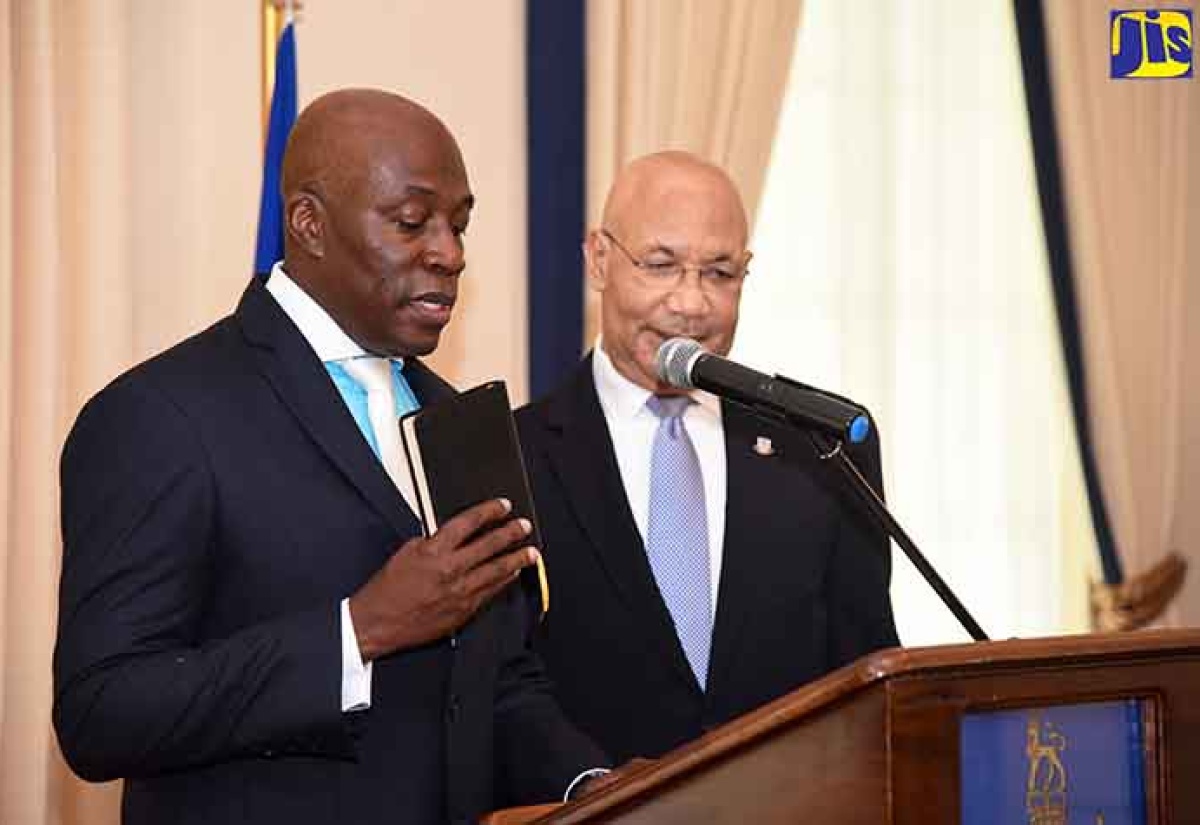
(830, 449)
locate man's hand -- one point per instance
(432, 587)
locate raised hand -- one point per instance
(431, 587)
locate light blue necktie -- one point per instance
(355, 396)
(677, 532)
(377, 394)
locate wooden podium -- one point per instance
(879, 741)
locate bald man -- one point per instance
(251, 628)
(703, 561)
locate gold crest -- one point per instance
(1046, 786)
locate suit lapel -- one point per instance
(753, 506)
(583, 458)
(425, 383)
(300, 380)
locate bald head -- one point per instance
(376, 201)
(673, 179)
(337, 139)
(668, 261)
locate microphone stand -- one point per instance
(830, 449)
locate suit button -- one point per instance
(452, 709)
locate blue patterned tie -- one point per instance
(677, 531)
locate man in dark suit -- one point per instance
(251, 628)
(703, 562)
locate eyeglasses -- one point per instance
(668, 273)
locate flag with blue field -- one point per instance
(269, 247)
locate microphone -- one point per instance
(685, 364)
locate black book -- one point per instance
(464, 450)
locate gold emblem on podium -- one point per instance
(1046, 786)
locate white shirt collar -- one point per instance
(624, 399)
(328, 340)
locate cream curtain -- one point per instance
(899, 260)
(1132, 190)
(703, 75)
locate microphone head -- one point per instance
(674, 362)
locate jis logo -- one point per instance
(1151, 43)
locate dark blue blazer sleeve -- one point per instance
(540, 751)
(136, 691)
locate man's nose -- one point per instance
(444, 251)
(688, 296)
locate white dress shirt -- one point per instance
(632, 427)
(331, 343)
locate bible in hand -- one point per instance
(464, 450)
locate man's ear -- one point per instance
(595, 256)
(305, 222)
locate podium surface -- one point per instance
(882, 741)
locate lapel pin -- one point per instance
(763, 446)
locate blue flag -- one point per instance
(269, 248)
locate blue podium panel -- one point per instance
(1082, 764)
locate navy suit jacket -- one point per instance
(803, 589)
(218, 502)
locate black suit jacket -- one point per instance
(803, 589)
(218, 502)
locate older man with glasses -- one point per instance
(703, 561)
